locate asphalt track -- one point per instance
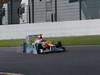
(78, 60)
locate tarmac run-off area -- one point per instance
(77, 60)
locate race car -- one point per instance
(40, 45)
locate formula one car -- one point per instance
(39, 45)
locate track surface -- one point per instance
(79, 60)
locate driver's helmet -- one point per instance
(40, 36)
(39, 39)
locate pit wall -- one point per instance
(55, 29)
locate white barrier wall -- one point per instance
(68, 28)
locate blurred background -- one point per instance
(36, 11)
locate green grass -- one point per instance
(76, 40)
(11, 43)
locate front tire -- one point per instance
(39, 48)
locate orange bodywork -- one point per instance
(48, 44)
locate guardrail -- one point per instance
(55, 29)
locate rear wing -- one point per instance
(33, 36)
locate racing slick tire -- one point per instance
(58, 44)
(39, 48)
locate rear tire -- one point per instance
(58, 44)
(24, 47)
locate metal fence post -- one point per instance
(80, 8)
(56, 10)
(29, 11)
(11, 7)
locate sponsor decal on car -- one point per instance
(4, 73)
